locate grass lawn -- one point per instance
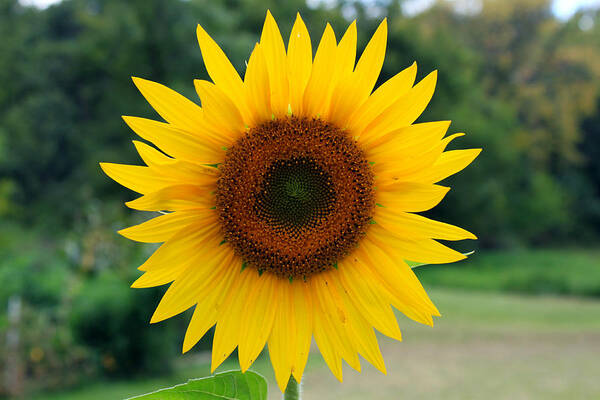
(541, 271)
(486, 346)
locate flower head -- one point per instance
(290, 199)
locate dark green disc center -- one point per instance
(296, 194)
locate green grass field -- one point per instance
(542, 271)
(486, 345)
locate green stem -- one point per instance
(292, 391)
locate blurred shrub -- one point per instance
(110, 318)
(79, 319)
(52, 358)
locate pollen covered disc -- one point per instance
(295, 195)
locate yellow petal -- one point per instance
(426, 251)
(204, 317)
(219, 111)
(384, 96)
(227, 332)
(449, 163)
(282, 341)
(158, 277)
(272, 44)
(162, 228)
(137, 178)
(367, 300)
(151, 156)
(396, 166)
(299, 62)
(256, 85)
(184, 172)
(173, 107)
(346, 52)
(199, 237)
(257, 320)
(398, 279)
(342, 80)
(174, 198)
(325, 341)
(333, 323)
(413, 226)
(303, 316)
(206, 311)
(411, 196)
(218, 66)
(363, 335)
(404, 111)
(369, 65)
(356, 88)
(319, 87)
(205, 274)
(176, 142)
(417, 138)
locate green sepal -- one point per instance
(244, 265)
(223, 242)
(291, 279)
(260, 272)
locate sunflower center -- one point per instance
(294, 196)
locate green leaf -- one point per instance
(230, 385)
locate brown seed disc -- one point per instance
(295, 195)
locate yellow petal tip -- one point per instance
(156, 317)
(137, 283)
(137, 81)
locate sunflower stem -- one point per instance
(292, 391)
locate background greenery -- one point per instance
(523, 85)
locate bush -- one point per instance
(112, 319)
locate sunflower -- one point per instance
(289, 200)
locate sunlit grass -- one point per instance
(556, 271)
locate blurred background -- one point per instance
(522, 78)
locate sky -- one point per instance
(563, 9)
